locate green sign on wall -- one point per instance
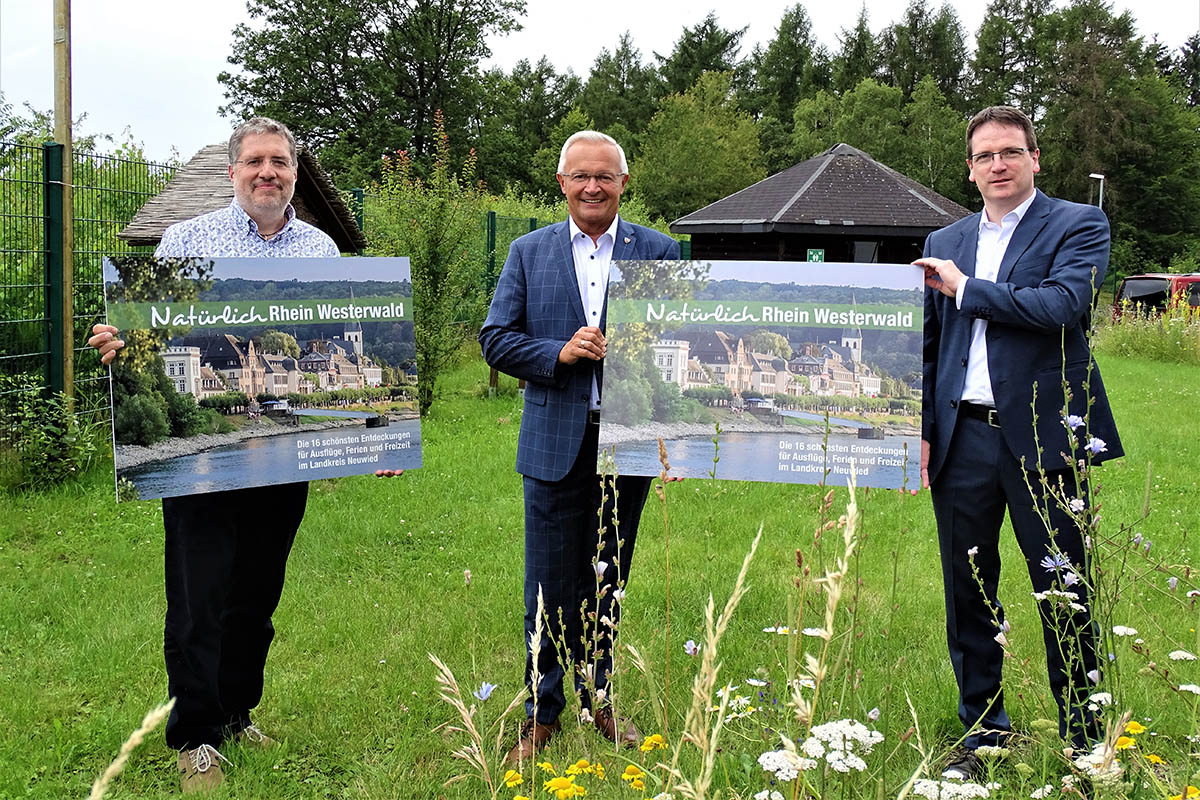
(816, 254)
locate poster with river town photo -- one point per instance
(240, 372)
(764, 371)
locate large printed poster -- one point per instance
(765, 371)
(242, 372)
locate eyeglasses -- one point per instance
(584, 178)
(1007, 155)
(277, 163)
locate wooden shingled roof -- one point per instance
(842, 188)
(202, 185)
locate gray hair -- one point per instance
(257, 126)
(591, 136)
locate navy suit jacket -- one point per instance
(1038, 312)
(535, 311)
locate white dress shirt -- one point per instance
(993, 241)
(592, 263)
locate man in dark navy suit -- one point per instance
(1006, 320)
(546, 326)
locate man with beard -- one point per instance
(226, 552)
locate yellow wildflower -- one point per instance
(599, 770)
(1191, 793)
(579, 767)
(547, 767)
(520, 797)
(1153, 759)
(653, 742)
(564, 787)
(1134, 728)
(637, 783)
(1125, 742)
(632, 773)
(512, 778)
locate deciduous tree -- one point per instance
(360, 78)
(697, 149)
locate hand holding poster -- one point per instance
(804, 369)
(242, 372)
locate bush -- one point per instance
(184, 416)
(43, 443)
(1173, 336)
(141, 420)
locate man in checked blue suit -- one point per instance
(1007, 305)
(546, 326)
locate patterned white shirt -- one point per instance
(232, 233)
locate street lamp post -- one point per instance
(1099, 177)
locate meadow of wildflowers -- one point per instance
(815, 667)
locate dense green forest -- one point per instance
(708, 117)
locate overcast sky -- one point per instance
(150, 66)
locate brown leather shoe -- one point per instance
(618, 730)
(532, 739)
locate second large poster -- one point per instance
(765, 371)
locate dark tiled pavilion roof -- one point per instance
(838, 189)
(202, 185)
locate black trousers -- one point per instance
(226, 553)
(978, 481)
(561, 540)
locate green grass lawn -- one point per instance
(376, 582)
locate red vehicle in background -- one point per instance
(1155, 291)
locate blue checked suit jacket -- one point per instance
(535, 311)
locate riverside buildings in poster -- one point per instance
(250, 372)
(766, 371)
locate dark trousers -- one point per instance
(561, 541)
(978, 481)
(225, 558)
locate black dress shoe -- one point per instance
(964, 765)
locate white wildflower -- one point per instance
(950, 790)
(1042, 793)
(784, 764)
(819, 633)
(755, 682)
(1124, 630)
(1189, 687)
(1100, 765)
(1181, 655)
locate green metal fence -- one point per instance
(108, 191)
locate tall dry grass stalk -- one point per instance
(661, 490)
(151, 721)
(701, 728)
(473, 752)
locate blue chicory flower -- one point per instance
(1055, 562)
(484, 691)
(1096, 445)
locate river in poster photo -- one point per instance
(807, 369)
(241, 372)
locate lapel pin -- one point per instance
(627, 240)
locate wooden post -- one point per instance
(62, 134)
